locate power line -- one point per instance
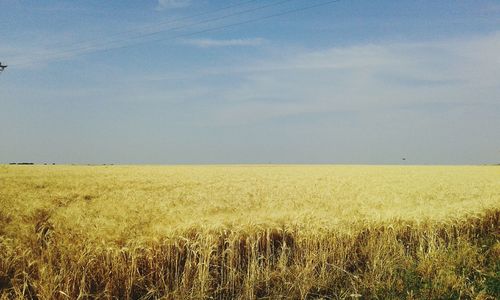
(162, 23)
(85, 49)
(303, 8)
(209, 20)
(252, 20)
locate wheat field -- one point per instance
(250, 232)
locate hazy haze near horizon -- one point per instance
(351, 82)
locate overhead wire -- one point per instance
(153, 25)
(208, 20)
(253, 20)
(158, 24)
(100, 46)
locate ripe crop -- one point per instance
(246, 232)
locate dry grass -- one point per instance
(245, 232)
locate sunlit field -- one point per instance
(246, 232)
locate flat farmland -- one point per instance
(249, 232)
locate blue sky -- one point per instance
(348, 82)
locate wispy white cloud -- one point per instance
(448, 73)
(432, 101)
(208, 43)
(169, 4)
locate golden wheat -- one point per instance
(246, 232)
